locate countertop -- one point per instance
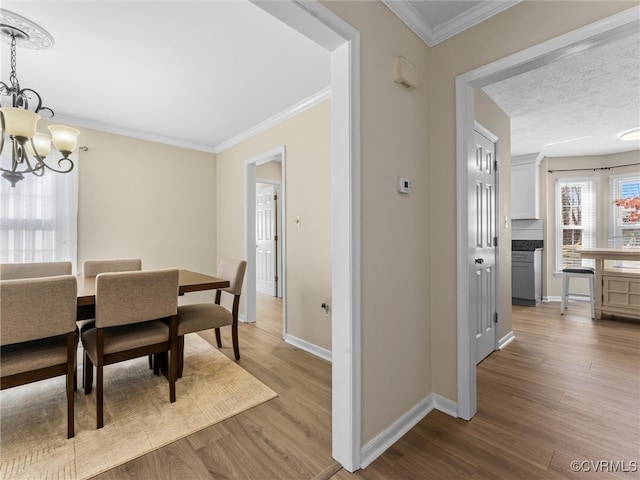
(526, 245)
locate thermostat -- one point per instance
(404, 185)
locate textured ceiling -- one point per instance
(593, 94)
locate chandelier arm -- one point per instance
(42, 164)
(2, 125)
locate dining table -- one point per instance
(617, 288)
(189, 281)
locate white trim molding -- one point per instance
(385, 439)
(506, 340)
(278, 118)
(308, 347)
(313, 19)
(432, 35)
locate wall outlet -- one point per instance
(404, 185)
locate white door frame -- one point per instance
(277, 154)
(317, 22)
(526, 60)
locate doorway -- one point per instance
(466, 84)
(269, 253)
(265, 257)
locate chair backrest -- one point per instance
(91, 268)
(232, 270)
(35, 308)
(131, 297)
(12, 271)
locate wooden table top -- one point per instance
(189, 281)
(610, 253)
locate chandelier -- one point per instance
(19, 121)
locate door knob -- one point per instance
(480, 260)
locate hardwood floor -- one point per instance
(288, 437)
(567, 388)
(269, 314)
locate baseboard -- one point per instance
(506, 340)
(242, 318)
(391, 435)
(308, 347)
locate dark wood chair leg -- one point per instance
(234, 337)
(156, 364)
(87, 374)
(99, 396)
(179, 356)
(72, 383)
(150, 362)
(218, 339)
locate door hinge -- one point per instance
(495, 317)
(275, 237)
(275, 197)
(495, 165)
(495, 241)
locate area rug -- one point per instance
(138, 416)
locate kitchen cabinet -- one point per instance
(526, 277)
(525, 187)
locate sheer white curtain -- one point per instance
(39, 216)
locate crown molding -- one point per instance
(151, 137)
(470, 18)
(410, 16)
(434, 35)
(299, 107)
(292, 111)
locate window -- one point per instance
(625, 210)
(575, 220)
(38, 217)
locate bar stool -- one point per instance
(578, 272)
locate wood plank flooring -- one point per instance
(567, 388)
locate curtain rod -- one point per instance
(592, 169)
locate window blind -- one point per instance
(575, 220)
(624, 201)
(38, 217)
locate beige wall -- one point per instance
(521, 26)
(552, 284)
(144, 199)
(396, 362)
(307, 140)
(490, 116)
(270, 170)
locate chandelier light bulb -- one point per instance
(64, 138)
(20, 122)
(41, 143)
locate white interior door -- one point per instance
(265, 240)
(482, 183)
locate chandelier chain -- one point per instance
(13, 77)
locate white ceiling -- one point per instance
(188, 73)
(201, 74)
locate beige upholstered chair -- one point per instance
(135, 317)
(202, 316)
(37, 333)
(91, 268)
(12, 271)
